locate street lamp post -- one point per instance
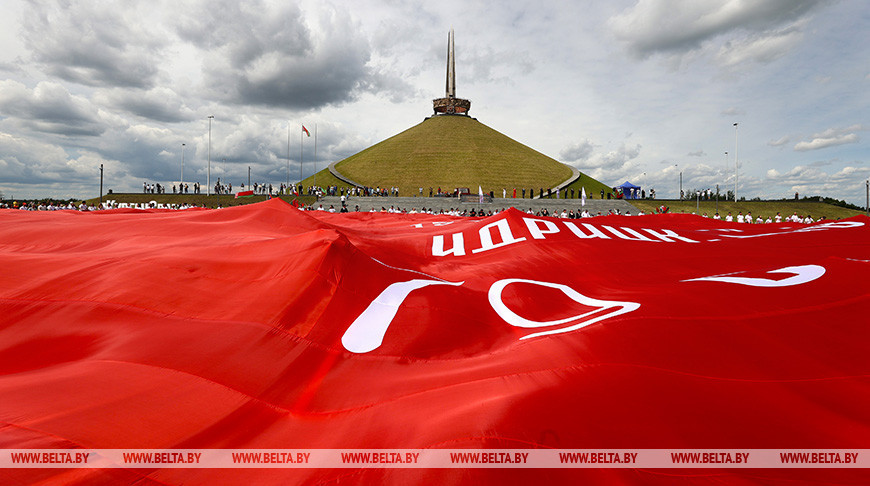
(287, 190)
(681, 181)
(208, 177)
(736, 164)
(181, 185)
(867, 187)
(101, 185)
(726, 165)
(717, 197)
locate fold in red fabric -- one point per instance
(267, 327)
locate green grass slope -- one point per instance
(450, 152)
(757, 208)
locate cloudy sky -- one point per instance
(623, 90)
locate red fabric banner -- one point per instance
(267, 327)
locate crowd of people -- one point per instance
(470, 212)
(157, 188)
(83, 206)
(747, 218)
(393, 209)
(378, 191)
(564, 213)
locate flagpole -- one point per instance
(315, 154)
(300, 154)
(287, 189)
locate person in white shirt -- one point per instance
(740, 217)
(778, 218)
(716, 216)
(728, 217)
(748, 218)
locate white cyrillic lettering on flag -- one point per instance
(458, 246)
(504, 231)
(637, 236)
(535, 228)
(802, 275)
(593, 231)
(614, 308)
(666, 235)
(367, 331)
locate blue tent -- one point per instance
(627, 192)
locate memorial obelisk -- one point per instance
(450, 104)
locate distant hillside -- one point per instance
(450, 152)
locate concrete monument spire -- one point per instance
(450, 104)
(451, 67)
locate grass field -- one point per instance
(757, 208)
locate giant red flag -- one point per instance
(264, 327)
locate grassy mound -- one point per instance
(450, 152)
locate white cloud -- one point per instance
(762, 48)
(160, 104)
(579, 151)
(758, 30)
(262, 53)
(49, 108)
(94, 43)
(779, 142)
(830, 138)
(613, 159)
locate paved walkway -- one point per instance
(446, 203)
